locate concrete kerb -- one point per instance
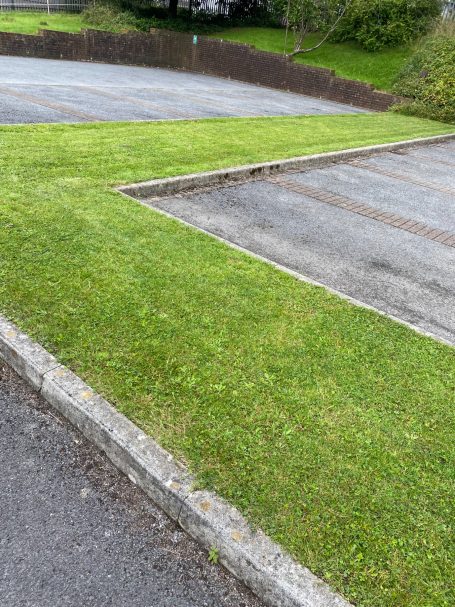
(249, 554)
(213, 179)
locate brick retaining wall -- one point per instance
(175, 50)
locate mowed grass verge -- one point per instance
(28, 22)
(329, 426)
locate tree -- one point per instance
(305, 16)
(173, 5)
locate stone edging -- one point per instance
(249, 554)
(223, 177)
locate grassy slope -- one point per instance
(29, 23)
(329, 425)
(347, 59)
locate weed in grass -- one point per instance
(214, 555)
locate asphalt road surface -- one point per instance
(334, 225)
(76, 533)
(43, 90)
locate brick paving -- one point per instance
(397, 221)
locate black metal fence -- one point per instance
(449, 10)
(235, 9)
(226, 8)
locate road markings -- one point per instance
(166, 110)
(59, 107)
(414, 180)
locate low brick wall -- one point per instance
(174, 50)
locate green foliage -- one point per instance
(214, 555)
(312, 14)
(238, 11)
(429, 80)
(112, 17)
(106, 16)
(181, 23)
(377, 24)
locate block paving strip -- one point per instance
(414, 180)
(391, 219)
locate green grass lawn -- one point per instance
(26, 22)
(328, 425)
(347, 59)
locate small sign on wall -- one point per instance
(194, 39)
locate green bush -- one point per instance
(109, 17)
(377, 24)
(428, 79)
(240, 12)
(114, 17)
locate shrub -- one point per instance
(234, 12)
(105, 16)
(376, 24)
(113, 16)
(428, 79)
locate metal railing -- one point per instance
(48, 6)
(228, 8)
(221, 7)
(448, 11)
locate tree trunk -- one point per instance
(173, 8)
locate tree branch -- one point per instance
(300, 51)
